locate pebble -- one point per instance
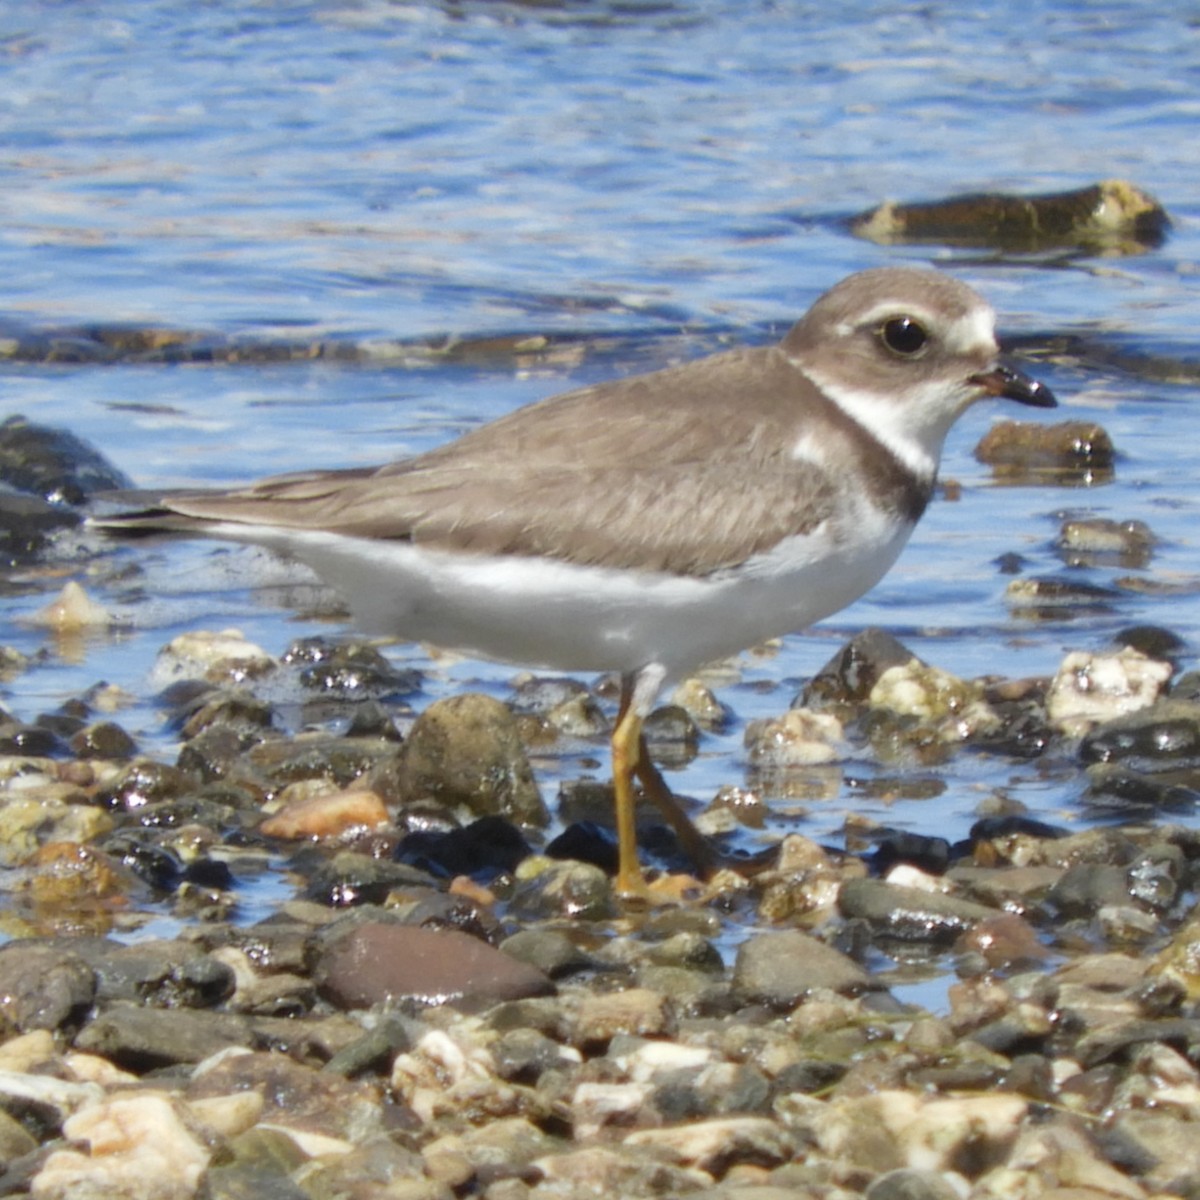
(138, 1147)
(377, 963)
(1089, 689)
(466, 751)
(779, 969)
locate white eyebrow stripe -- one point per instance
(972, 333)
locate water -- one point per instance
(671, 176)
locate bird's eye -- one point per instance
(904, 336)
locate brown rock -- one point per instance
(326, 816)
(378, 963)
(466, 750)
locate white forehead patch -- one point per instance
(972, 333)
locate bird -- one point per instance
(651, 524)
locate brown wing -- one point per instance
(645, 472)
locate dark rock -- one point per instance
(44, 986)
(374, 1051)
(105, 739)
(1068, 452)
(378, 963)
(909, 914)
(465, 750)
(154, 865)
(779, 969)
(551, 951)
(350, 670)
(1159, 1147)
(1111, 216)
(27, 524)
(231, 707)
(1113, 787)
(846, 680)
(483, 849)
(54, 463)
(1058, 598)
(145, 1039)
(672, 737)
(909, 1184)
(1163, 737)
(540, 695)
(145, 783)
(162, 973)
(587, 842)
(350, 879)
(524, 1055)
(930, 854)
(31, 740)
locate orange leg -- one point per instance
(629, 758)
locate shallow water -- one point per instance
(670, 176)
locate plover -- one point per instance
(651, 524)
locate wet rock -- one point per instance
(798, 738)
(465, 751)
(377, 963)
(917, 709)
(1162, 737)
(130, 1140)
(1100, 541)
(351, 878)
(1110, 217)
(1085, 887)
(231, 708)
(1068, 453)
(44, 986)
(552, 951)
(104, 739)
(224, 657)
(700, 702)
(73, 612)
(54, 463)
(27, 526)
(162, 973)
(349, 670)
(844, 684)
(1056, 599)
(1092, 688)
(482, 849)
(672, 737)
(325, 816)
(1154, 642)
(779, 970)
(146, 1039)
(1134, 795)
(546, 888)
(909, 913)
(1002, 940)
(146, 782)
(70, 881)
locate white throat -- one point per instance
(918, 447)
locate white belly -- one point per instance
(555, 615)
